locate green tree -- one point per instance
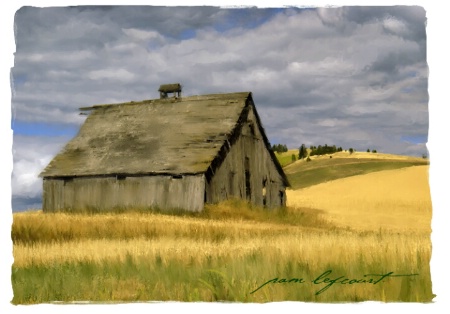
(351, 150)
(279, 148)
(302, 152)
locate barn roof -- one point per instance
(159, 136)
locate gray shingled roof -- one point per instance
(179, 136)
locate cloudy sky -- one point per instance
(350, 76)
(345, 76)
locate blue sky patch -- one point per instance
(21, 204)
(246, 18)
(19, 80)
(187, 34)
(43, 129)
(416, 139)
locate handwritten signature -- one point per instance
(326, 280)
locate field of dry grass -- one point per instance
(228, 238)
(230, 227)
(374, 223)
(223, 255)
(397, 200)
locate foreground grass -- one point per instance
(197, 275)
(233, 219)
(225, 253)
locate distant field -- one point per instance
(395, 200)
(374, 221)
(286, 157)
(302, 174)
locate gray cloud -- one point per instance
(405, 21)
(350, 76)
(30, 156)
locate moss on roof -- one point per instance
(179, 135)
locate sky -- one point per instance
(351, 76)
(346, 76)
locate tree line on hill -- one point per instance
(314, 150)
(323, 150)
(279, 148)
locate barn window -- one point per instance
(68, 180)
(177, 176)
(120, 177)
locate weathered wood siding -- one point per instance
(248, 171)
(164, 192)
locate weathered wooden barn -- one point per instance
(168, 153)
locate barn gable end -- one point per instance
(249, 169)
(166, 153)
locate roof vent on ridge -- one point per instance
(165, 89)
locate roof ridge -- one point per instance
(166, 100)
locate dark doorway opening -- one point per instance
(248, 188)
(281, 198)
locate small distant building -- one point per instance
(168, 153)
(165, 89)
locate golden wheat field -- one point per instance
(314, 247)
(398, 200)
(370, 224)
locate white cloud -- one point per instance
(141, 35)
(395, 26)
(328, 16)
(332, 122)
(330, 66)
(30, 156)
(120, 75)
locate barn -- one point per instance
(168, 153)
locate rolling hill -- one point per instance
(397, 200)
(324, 168)
(364, 191)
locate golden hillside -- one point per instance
(392, 199)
